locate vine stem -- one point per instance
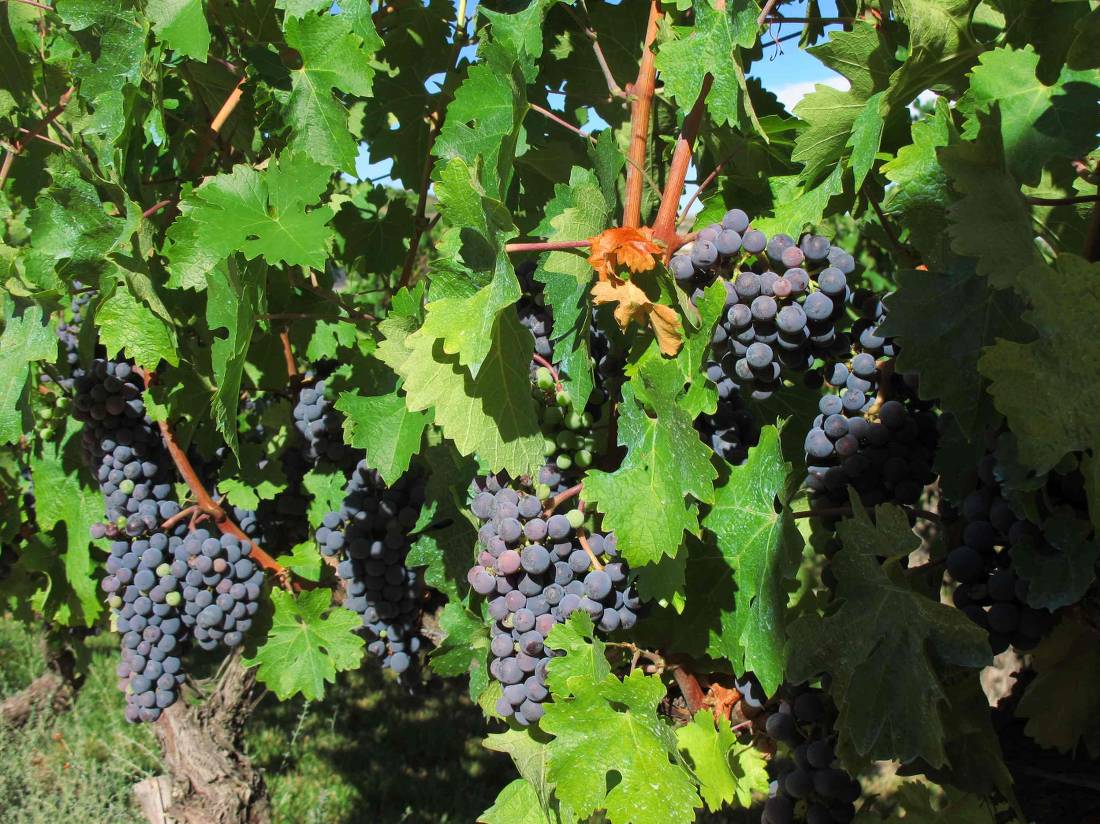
(777, 18)
(642, 91)
(207, 141)
(612, 86)
(208, 505)
(561, 498)
(40, 127)
(547, 246)
(664, 227)
(182, 515)
(314, 316)
(689, 688)
(288, 355)
(549, 115)
(765, 12)
(588, 550)
(156, 207)
(541, 361)
(702, 187)
(35, 5)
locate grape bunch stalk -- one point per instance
(536, 571)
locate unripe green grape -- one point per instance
(563, 398)
(548, 447)
(543, 491)
(544, 379)
(583, 458)
(563, 462)
(552, 417)
(575, 518)
(126, 485)
(586, 419)
(62, 403)
(115, 602)
(45, 413)
(163, 570)
(574, 421)
(173, 598)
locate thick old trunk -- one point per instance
(208, 778)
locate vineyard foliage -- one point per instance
(513, 419)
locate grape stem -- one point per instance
(689, 688)
(588, 550)
(642, 92)
(288, 356)
(549, 115)
(184, 513)
(206, 141)
(156, 207)
(546, 246)
(638, 652)
(541, 361)
(702, 187)
(38, 129)
(561, 498)
(586, 26)
(207, 504)
(778, 18)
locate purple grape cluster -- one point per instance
(144, 596)
(990, 592)
(731, 430)
(370, 536)
(785, 302)
(536, 573)
(811, 782)
(321, 426)
(124, 450)
(221, 586)
(533, 312)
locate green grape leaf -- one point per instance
(520, 34)
(883, 629)
(1060, 365)
(916, 802)
(712, 46)
(326, 485)
(384, 428)
(645, 501)
(464, 648)
(922, 195)
(483, 120)
(234, 295)
(1061, 712)
(61, 498)
(334, 58)
(256, 477)
(310, 641)
(493, 414)
(1060, 574)
(181, 25)
(584, 661)
(25, 339)
(941, 47)
(944, 321)
(652, 782)
(258, 213)
(1039, 123)
(798, 208)
(529, 752)
(728, 772)
(126, 324)
(517, 803)
(578, 210)
(304, 561)
(763, 548)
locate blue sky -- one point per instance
(786, 70)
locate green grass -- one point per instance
(370, 752)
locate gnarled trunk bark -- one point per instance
(208, 780)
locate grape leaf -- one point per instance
(941, 47)
(517, 803)
(944, 320)
(303, 560)
(645, 501)
(727, 770)
(125, 324)
(520, 34)
(884, 632)
(326, 485)
(712, 46)
(181, 25)
(61, 497)
(923, 803)
(653, 784)
(763, 548)
(333, 59)
(1060, 577)
(308, 643)
(1061, 713)
(797, 208)
(384, 428)
(234, 295)
(492, 415)
(529, 752)
(579, 210)
(921, 196)
(1040, 123)
(1060, 365)
(464, 648)
(584, 660)
(258, 213)
(25, 339)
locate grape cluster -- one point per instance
(568, 440)
(536, 573)
(989, 591)
(144, 595)
(124, 450)
(68, 332)
(883, 460)
(321, 426)
(731, 430)
(785, 302)
(370, 535)
(221, 586)
(811, 786)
